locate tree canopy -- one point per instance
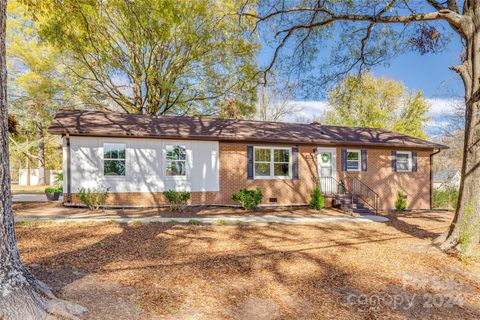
(368, 101)
(332, 39)
(158, 56)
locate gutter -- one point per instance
(431, 177)
(69, 169)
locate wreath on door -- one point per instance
(325, 157)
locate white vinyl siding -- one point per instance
(145, 165)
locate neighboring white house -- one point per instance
(34, 177)
(446, 178)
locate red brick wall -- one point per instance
(381, 178)
(233, 177)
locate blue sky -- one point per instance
(428, 73)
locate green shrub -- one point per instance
(178, 200)
(248, 199)
(58, 178)
(317, 200)
(445, 198)
(93, 198)
(401, 203)
(54, 189)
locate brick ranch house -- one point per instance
(138, 157)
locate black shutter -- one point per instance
(394, 161)
(414, 162)
(364, 160)
(250, 162)
(344, 159)
(295, 163)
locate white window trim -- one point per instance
(359, 160)
(165, 161)
(272, 176)
(107, 176)
(410, 161)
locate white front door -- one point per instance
(327, 169)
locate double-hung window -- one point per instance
(176, 160)
(114, 159)
(354, 160)
(404, 161)
(272, 162)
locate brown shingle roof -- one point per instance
(110, 124)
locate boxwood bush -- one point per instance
(177, 199)
(248, 199)
(93, 198)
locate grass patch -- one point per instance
(446, 198)
(222, 222)
(194, 222)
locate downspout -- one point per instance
(69, 170)
(431, 178)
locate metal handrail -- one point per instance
(364, 192)
(333, 186)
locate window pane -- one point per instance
(121, 153)
(175, 168)
(106, 151)
(262, 169)
(114, 167)
(402, 162)
(352, 155)
(113, 151)
(262, 154)
(402, 166)
(280, 169)
(352, 165)
(176, 153)
(281, 155)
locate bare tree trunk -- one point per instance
(41, 154)
(23, 297)
(464, 231)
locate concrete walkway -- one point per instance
(29, 197)
(213, 220)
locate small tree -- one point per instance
(401, 202)
(317, 199)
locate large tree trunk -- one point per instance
(464, 231)
(22, 296)
(41, 154)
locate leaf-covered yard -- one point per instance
(274, 271)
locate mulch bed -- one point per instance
(55, 209)
(274, 271)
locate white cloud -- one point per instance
(308, 109)
(443, 107)
(440, 107)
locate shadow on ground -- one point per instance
(272, 271)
